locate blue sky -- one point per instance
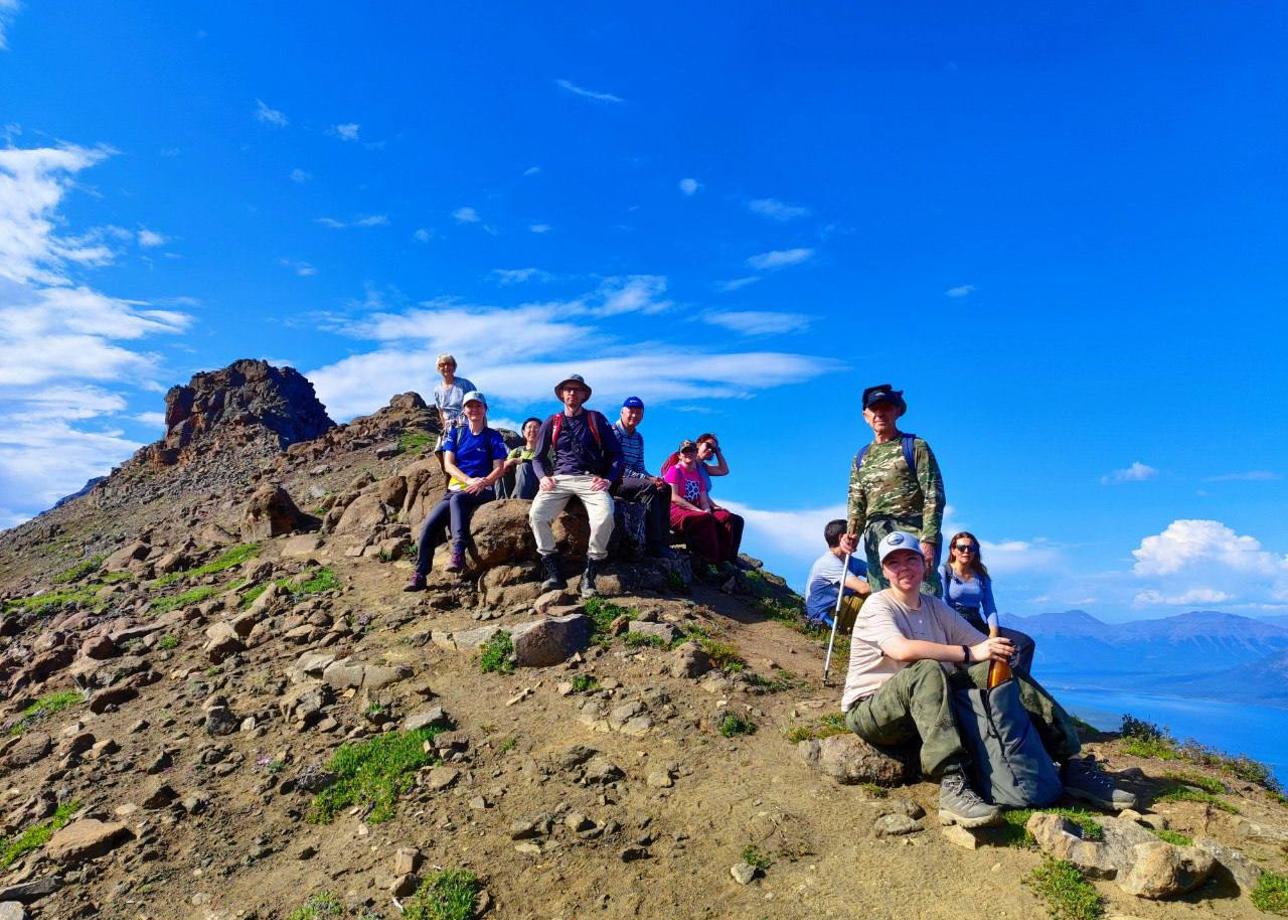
(1060, 231)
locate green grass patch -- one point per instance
(723, 656)
(446, 895)
(1271, 894)
(831, 724)
(1177, 792)
(780, 681)
(733, 725)
(1206, 783)
(1012, 832)
(1171, 837)
(752, 856)
(35, 836)
(321, 906)
(877, 792)
(1068, 895)
(45, 707)
(250, 596)
(584, 683)
(373, 773)
(413, 440)
(602, 613)
(191, 596)
(51, 601)
(314, 581)
(79, 570)
(642, 640)
(225, 560)
(497, 654)
(165, 643)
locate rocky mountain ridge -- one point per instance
(217, 703)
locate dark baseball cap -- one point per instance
(633, 402)
(883, 392)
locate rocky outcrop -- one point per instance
(850, 760)
(271, 512)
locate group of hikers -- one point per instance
(576, 452)
(921, 635)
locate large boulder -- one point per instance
(502, 535)
(552, 641)
(86, 839)
(1161, 870)
(271, 512)
(362, 516)
(850, 760)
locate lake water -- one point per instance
(1261, 732)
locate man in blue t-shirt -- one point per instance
(825, 583)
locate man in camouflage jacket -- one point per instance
(886, 496)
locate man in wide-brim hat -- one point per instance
(577, 454)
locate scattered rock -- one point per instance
(271, 512)
(159, 797)
(32, 891)
(442, 778)
(743, 873)
(660, 779)
(29, 749)
(895, 825)
(630, 854)
(12, 910)
(86, 839)
(960, 836)
(221, 721)
(1161, 870)
(664, 631)
(424, 718)
(531, 828)
(222, 642)
(1229, 861)
(1058, 838)
(689, 660)
(850, 760)
(551, 641)
(406, 861)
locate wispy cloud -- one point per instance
(466, 215)
(1207, 562)
(539, 228)
(1137, 472)
(8, 9)
(150, 239)
(303, 269)
(370, 220)
(758, 322)
(779, 258)
(348, 131)
(423, 235)
(532, 171)
(1248, 476)
(569, 87)
(775, 209)
(690, 186)
(520, 275)
(270, 116)
(736, 284)
(300, 176)
(962, 290)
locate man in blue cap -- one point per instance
(639, 485)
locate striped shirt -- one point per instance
(632, 451)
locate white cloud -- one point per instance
(735, 284)
(466, 215)
(516, 352)
(62, 343)
(303, 269)
(422, 235)
(1137, 472)
(539, 228)
(8, 9)
(690, 186)
(370, 220)
(150, 239)
(155, 419)
(962, 290)
(520, 275)
(300, 176)
(775, 209)
(758, 322)
(532, 171)
(1198, 544)
(569, 87)
(794, 536)
(270, 116)
(347, 131)
(1249, 476)
(1191, 597)
(779, 258)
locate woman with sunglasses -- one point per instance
(968, 588)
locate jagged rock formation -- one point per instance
(242, 402)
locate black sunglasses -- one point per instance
(965, 547)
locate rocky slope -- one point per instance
(218, 703)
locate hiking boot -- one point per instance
(417, 583)
(593, 568)
(554, 578)
(457, 562)
(1083, 780)
(959, 804)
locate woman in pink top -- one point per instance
(708, 538)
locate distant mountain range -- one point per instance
(1201, 653)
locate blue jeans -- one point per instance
(456, 508)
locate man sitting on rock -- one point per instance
(824, 584)
(638, 484)
(906, 651)
(577, 454)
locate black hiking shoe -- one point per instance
(554, 578)
(588, 586)
(1083, 780)
(959, 804)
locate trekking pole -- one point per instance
(836, 617)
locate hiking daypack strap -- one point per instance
(556, 426)
(909, 453)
